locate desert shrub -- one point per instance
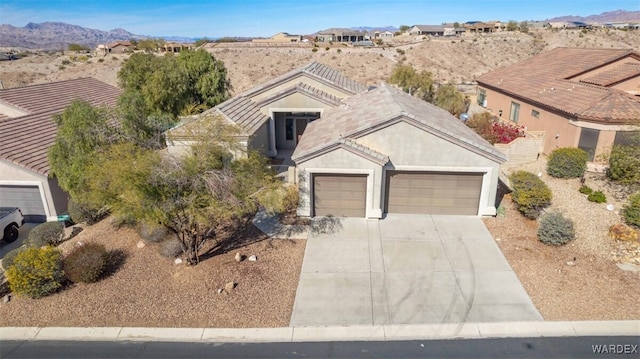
(152, 232)
(555, 229)
(170, 248)
(624, 164)
(80, 213)
(568, 162)
(315, 49)
(100, 60)
(492, 130)
(66, 62)
(10, 257)
(631, 210)
(36, 272)
(327, 48)
(584, 189)
(282, 200)
(597, 197)
(400, 51)
(61, 67)
(86, 263)
(530, 193)
(44, 234)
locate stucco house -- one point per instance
(27, 131)
(586, 98)
(431, 30)
(361, 152)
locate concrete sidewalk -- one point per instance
(330, 333)
(407, 269)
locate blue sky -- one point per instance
(197, 18)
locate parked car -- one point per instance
(11, 219)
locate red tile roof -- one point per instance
(25, 140)
(545, 80)
(614, 75)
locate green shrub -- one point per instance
(631, 210)
(624, 164)
(555, 229)
(152, 233)
(36, 272)
(10, 257)
(80, 213)
(85, 264)
(530, 194)
(315, 49)
(170, 248)
(584, 189)
(44, 234)
(327, 48)
(597, 197)
(568, 162)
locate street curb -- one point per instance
(330, 333)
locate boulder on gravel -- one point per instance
(623, 232)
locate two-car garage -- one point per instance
(409, 192)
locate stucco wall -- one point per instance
(296, 101)
(522, 149)
(344, 162)
(260, 140)
(559, 131)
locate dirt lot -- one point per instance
(149, 290)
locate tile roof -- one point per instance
(25, 140)
(614, 75)
(245, 112)
(545, 80)
(377, 108)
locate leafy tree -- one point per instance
(524, 27)
(83, 130)
(150, 44)
(404, 28)
(512, 25)
(139, 125)
(450, 99)
(78, 48)
(456, 24)
(194, 196)
(171, 84)
(412, 82)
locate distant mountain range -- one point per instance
(605, 17)
(58, 35)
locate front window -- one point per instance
(515, 112)
(589, 141)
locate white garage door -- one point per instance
(433, 192)
(25, 197)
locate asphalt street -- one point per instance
(567, 347)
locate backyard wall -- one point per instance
(523, 149)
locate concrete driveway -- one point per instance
(406, 269)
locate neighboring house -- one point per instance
(172, 46)
(120, 47)
(385, 151)
(480, 27)
(585, 98)
(383, 35)
(431, 30)
(341, 35)
(360, 152)
(273, 115)
(281, 37)
(27, 131)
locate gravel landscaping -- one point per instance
(580, 280)
(148, 290)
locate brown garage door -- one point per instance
(339, 195)
(433, 192)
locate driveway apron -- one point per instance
(406, 269)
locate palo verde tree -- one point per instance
(82, 132)
(417, 84)
(194, 195)
(449, 98)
